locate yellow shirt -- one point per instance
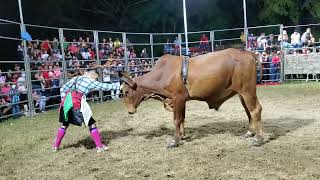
(116, 44)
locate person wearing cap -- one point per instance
(271, 45)
(75, 110)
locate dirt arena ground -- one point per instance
(215, 150)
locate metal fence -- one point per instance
(54, 55)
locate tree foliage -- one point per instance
(163, 16)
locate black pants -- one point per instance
(75, 117)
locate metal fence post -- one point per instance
(212, 40)
(124, 40)
(282, 75)
(152, 55)
(28, 82)
(64, 64)
(96, 42)
(180, 43)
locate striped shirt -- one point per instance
(85, 85)
(15, 98)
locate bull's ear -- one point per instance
(124, 76)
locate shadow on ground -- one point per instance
(276, 128)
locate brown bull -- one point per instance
(213, 78)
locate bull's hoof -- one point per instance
(172, 144)
(257, 141)
(183, 137)
(248, 135)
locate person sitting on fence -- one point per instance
(307, 38)
(284, 39)
(204, 43)
(74, 108)
(295, 39)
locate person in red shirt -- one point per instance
(274, 67)
(46, 46)
(204, 43)
(91, 53)
(45, 75)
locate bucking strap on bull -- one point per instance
(75, 110)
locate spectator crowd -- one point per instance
(47, 74)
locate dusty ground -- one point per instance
(216, 149)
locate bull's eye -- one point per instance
(125, 93)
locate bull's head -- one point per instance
(132, 94)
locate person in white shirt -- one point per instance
(86, 55)
(44, 55)
(262, 41)
(295, 39)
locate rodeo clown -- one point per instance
(75, 110)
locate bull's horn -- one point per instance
(124, 76)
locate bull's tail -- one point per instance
(260, 67)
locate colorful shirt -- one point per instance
(14, 96)
(84, 85)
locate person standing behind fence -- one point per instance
(15, 100)
(74, 109)
(262, 41)
(115, 80)
(3, 77)
(176, 43)
(271, 45)
(275, 65)
(204, 43)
